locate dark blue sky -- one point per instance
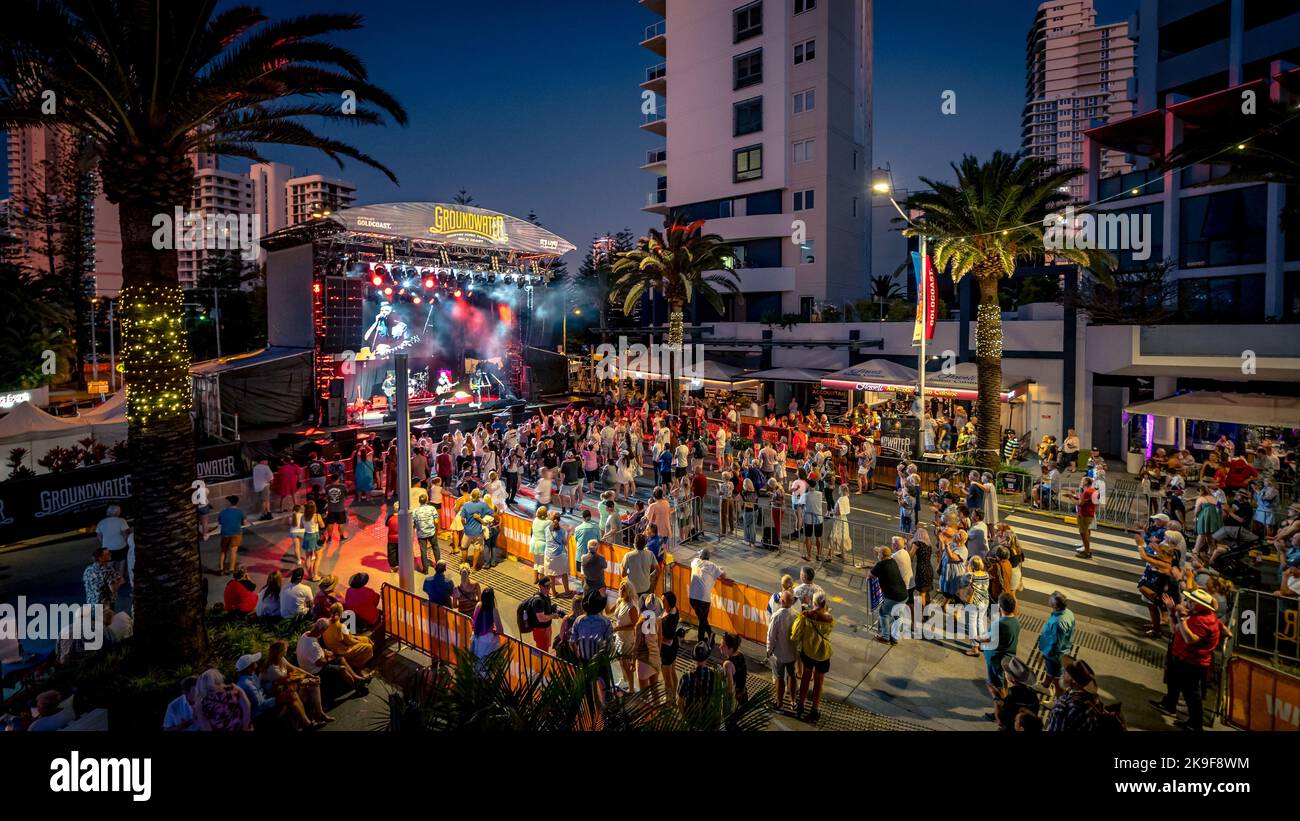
(535, 105)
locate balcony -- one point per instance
(1132, 184)
(656, 79)
(659, 7)
(656, 160)
(656, 38)
(656, 201)
(656, 121)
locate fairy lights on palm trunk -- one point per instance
(155, 355)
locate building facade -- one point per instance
(769, 141)
(1078, 74)
(1233, 269)
(314, 194)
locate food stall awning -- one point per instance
(1237, 408)
(872, 375)
(961, 382)
(811, 375)
(706, 372)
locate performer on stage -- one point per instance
(387, 333)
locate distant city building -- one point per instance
(216, 192)
(769, 141)
(314, 194)
(1077, 75)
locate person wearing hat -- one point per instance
(248, 668)
(336, 675)
(1078, 708)
(1196, 635)
(1160, 555)
(363, 601)
(1021, 693)
(695, 689)
(326, 597)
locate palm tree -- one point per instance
(146, 84)
(486, 695)
(682, 263)
(985, 224)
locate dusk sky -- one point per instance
(534, 105)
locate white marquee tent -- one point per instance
(29, 427)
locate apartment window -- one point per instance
(747, 68)
(805, 52)
(807, 252)
(806, 307)
(800, 6)
(748, 21)
(804, 150)
(748, 116)
(803, 200)
(805, 101)
(747, 163)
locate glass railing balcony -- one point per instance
(660, 113)
(656, 72)
(657, 30)
(657, 197)
(656, 155)
(1132, 184)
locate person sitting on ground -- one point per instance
(326, 597)
(180, 710)
(221, 707)
(296, 599)
(240, 595)
(248, 679)
(336, 675)
(293, 686)
(363, 601)
(51, 713)
(355, 650)
(1020, 694)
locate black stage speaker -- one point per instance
(336, 389)
(342, 306)
(335, 412)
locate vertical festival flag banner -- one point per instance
(925, 284)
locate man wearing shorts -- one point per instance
(472, 514)
(336, 514)
(780, 649)
(232, 522)
(541, 612)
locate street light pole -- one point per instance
(405, 554)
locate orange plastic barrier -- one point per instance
(1261, 697)
(737, 608)
(516, 532)
(438, 632)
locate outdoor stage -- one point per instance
(449, 286)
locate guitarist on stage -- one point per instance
(387, 333)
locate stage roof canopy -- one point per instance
(1237, 408)
(460, 225)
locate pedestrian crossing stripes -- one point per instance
(1104, 586)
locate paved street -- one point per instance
(925, 683)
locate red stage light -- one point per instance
(416, 300)
(388, 291)
(315, 287)
(429, 282)
(377, 280)
(505, 313)
(457, 293)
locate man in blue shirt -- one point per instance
(438, 587)
(472, 514)
(247, 667)
(583, 533)
(1056, 638)
(665, 467)
(232, 524)
(654, 542)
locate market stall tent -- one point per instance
(1236, 408)
(38, 432)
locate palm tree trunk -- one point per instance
(676, 332)
(988, 361)
(167, 590)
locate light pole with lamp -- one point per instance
(882, 183)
